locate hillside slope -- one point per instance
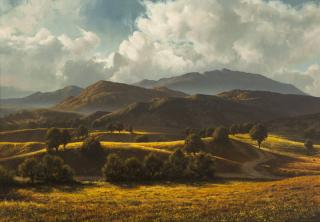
(109, 96)
(279, 104)
(42, 99)
(195, 111)
(217, 81)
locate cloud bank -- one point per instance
(170, 38)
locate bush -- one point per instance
(221, 135)
(176, 165)
(113, 170)
(6, 177)
(142, 139)
(91, 147)
(193, 144)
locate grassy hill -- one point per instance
(25, 119)
(195, 111)
(280, 105)
(217, 81)
(109, 96)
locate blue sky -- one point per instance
(62, 42)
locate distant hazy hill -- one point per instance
(12, 92)
(38, 118)
(194, 111)
(42, 99)
(218, 81)
(109, 96)
(278, 104)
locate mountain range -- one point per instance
(217, 81)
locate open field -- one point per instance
(296, 199)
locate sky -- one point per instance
(48, 44)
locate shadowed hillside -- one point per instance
(276, 103)
(218, 81)
(195, 111)
(109, 96)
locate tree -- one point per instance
(193, 144)
(235, 128)
(82, 131)
(30, 168)
(153, 166)
(53, 138)
(114, 169)
(133, 169)
(309, 146)
(202, 166)
(176, 165)
(221, 134)
(55, 170)
(259, 133)
(111, 128)
(130, 129)
(91, 146)
(65, 137)
(119, 127)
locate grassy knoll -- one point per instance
(296, 199)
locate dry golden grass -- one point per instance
(296, 199)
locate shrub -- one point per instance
(221, 135)
(6, 177)
(91, 147)
(114, 169)
(259, 133)
(142, 139)
(82, 131)
(193, 144)
(65, 137)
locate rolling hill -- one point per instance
(194, 111)
(280, 105)
(217, 81)
(42, 99)
(38, 118)
(109, 96)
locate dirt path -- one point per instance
(249, 170)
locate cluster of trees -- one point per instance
(241, 128)
(48, 169)
(178, 166)
(91, 147)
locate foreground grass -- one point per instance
(296, 199)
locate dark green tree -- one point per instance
(30, 168)
(153, 166)
(92, 147)
(259, 133)
(193, 144)
(133, 169)
(221, 134)
(114, 168)
(54, 139)
(309, 146)
(65, 137)
(82, 131)
(201, 166)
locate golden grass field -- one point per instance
(294, 200)
(285, 199)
